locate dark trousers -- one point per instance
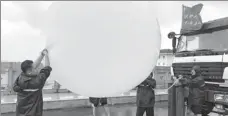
(149, 111)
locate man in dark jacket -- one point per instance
(29, 85)
(145, 98)
(196, 86)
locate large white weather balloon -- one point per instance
(102, 48)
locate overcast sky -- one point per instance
(21, 29)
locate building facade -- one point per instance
(165, 58)
(162, 75)
(162, 72)
(11, 70)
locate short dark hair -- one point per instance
(26, 65)
(197, 69)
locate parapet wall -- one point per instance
(81, 102)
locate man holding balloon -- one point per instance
(29, 85)
(145, 99)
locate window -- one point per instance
(216, 41)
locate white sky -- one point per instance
(20, 30)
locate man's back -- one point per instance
(146, 94)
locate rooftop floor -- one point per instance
(161, 109)
(68, 96)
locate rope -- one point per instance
(108, 113)
(175, 82)
(93, 110)
(50, 46)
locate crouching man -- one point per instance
(98, 105)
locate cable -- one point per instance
(107, 112)
(93, 110)
(175, 82)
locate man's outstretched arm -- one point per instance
(47, 60)
(37, 62)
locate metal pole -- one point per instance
(172, 101)
(180, 101)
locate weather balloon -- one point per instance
(102, 48)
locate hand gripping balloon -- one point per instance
(102, 48)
